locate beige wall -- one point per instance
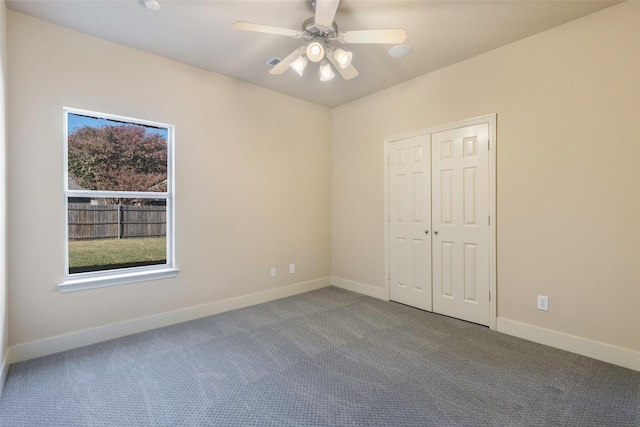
(252, 179)
(568, 171)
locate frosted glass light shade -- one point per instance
(315, 52)
(326, 73)
(299, 64)
(343, 57)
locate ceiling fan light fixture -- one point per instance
(326, 73)
(343, 57)
(299, 64)
(315, 52)
(320, 32)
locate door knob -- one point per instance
(435, 232)
(426, 231)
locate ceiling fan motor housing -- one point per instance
(312, 30)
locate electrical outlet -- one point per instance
(292, 268)
(543, 303)
(273, 272)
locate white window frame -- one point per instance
(99, 279)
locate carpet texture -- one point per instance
(324, 358)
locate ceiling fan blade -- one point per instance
(326, 12)
(282, 65)
(348, 73)
(390, 36)
(248, 26)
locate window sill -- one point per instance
(102, 281)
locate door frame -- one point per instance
(489, 119)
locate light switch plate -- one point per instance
(543, 303)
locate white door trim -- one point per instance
(490, 119)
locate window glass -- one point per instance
(118, 196)
(115, 156)
(107, 234)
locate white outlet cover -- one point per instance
(543, 303)
(292, 268)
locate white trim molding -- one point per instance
(119, 276)
(123, 277)
(44, 347)
(596, 350)
(361, 288)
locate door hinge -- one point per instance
(489, 145)
(489, 219)
(489, 295)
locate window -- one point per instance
(118, 200)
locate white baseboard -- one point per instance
(31, 350)
(361, 288)
(597, 350)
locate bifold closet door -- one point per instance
(410, 221)
(460, 218)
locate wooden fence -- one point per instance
(87, 222)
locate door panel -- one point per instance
(460, 171)
(409, 220)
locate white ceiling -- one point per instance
(200, 33)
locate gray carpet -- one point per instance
(324, 358)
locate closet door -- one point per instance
(460, 214)
(410, 221)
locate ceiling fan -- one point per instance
(318, 32)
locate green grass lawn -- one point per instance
(114, 252)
